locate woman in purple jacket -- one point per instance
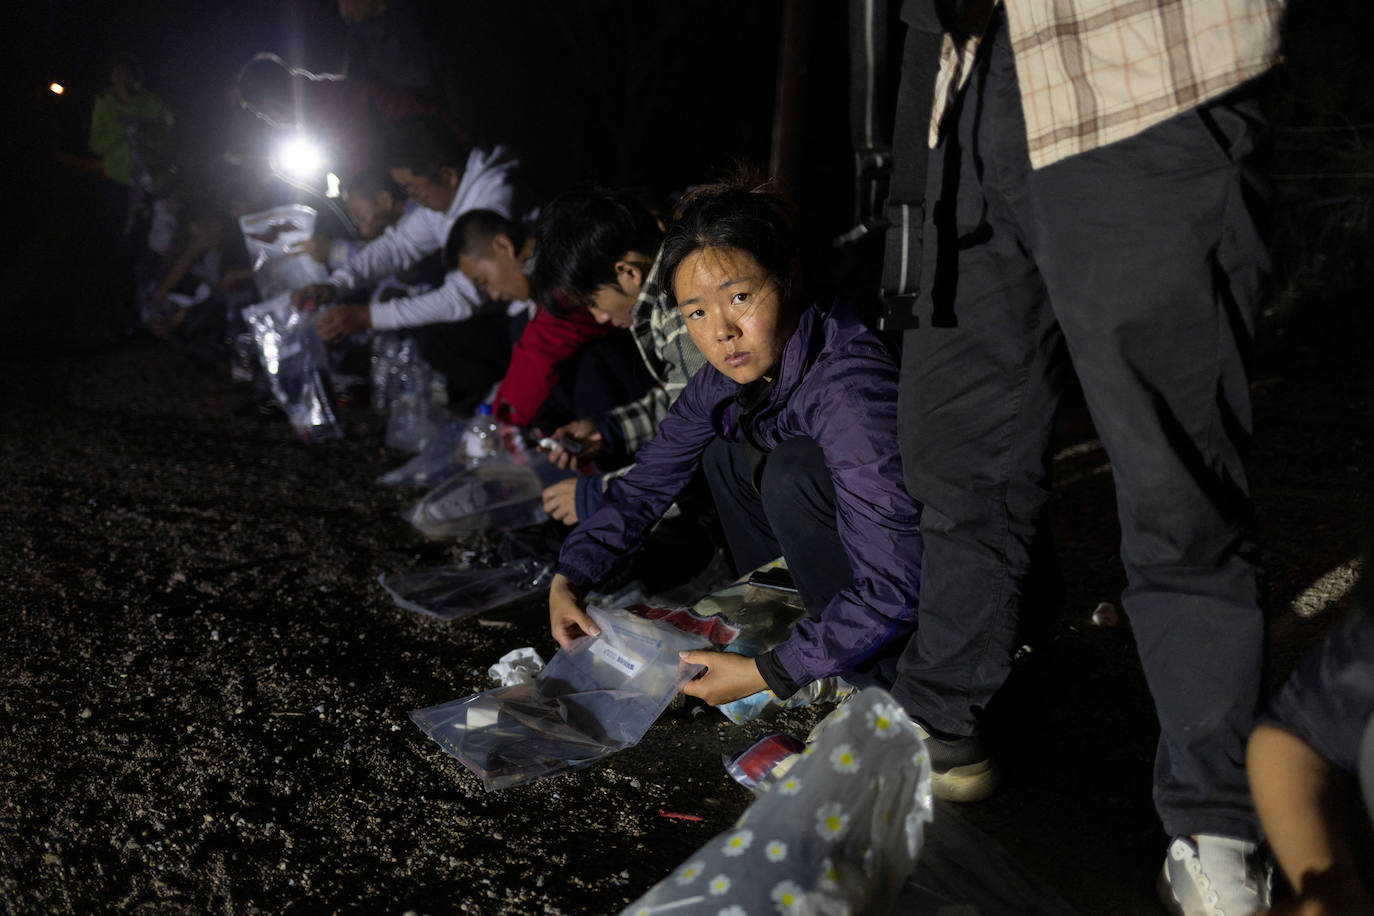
(794, 422)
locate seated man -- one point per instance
(447, 180)
(563, 365)
(599, 250)
(375, 203)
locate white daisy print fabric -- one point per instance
(837, 835)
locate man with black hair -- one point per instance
(446, 179)
(599, 250)
(564, 364)
(374, 203)
(494, 252)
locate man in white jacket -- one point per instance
(430, 164)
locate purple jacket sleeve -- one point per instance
(599, 545)
(850, 410)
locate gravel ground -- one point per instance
(205, 690)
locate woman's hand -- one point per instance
(585, 433)
(728, 676)
(567, 618)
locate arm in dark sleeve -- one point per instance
(775, 675)
(588, 496)
(602, 543)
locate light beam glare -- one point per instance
(300, 158)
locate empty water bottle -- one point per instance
(483, 438)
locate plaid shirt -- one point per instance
(1092, 72)
(669, 354)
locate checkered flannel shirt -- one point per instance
(669, 354)
(1092, 72)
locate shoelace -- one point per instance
(1184, 853)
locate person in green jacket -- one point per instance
(127, 123)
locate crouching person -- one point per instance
(794, 422)
(563, 363)
(600, 255)
(460, 332)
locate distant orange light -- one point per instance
(57, 88)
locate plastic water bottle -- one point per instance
(483, 439)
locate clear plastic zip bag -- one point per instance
(270, 236)
(495, 496)
(292, 356)
(450, 593)
(598, 695)
(839, 834)
(439, 459)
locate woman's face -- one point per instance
(734, 312)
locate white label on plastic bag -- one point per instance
(615, 658)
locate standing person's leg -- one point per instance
(980, 383)
(1155, 268)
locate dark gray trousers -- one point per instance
(1142, 263)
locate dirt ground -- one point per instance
(205, 690)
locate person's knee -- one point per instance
(716, 461)
(795, 476)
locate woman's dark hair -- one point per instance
(740, 214)
(580, 236)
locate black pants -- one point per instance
(788, 511)
(602, 374)
(1142, 264)
(785, 507)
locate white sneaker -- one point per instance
(1213, 876)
